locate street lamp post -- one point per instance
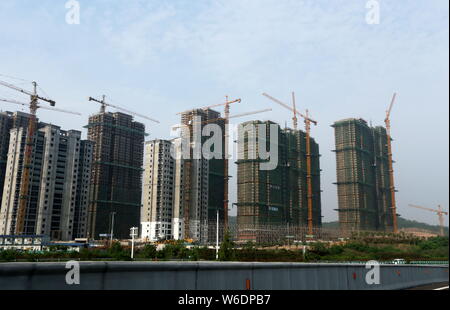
(133, 233)
(217, 236)
(112, 226)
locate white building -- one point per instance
(158, 191)
(58, 186)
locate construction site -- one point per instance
(190, 201)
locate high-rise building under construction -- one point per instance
(362, 176)
(116, 185)
(276, 197)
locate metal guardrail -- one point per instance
(428, 262)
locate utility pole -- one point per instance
(217, 236)
(133, 233)
(112, 227)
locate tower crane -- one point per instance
(40, 107)
(104, 104)
(31, 130)
(439, 212)
(308, 122)
(387, 121)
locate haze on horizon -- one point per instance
(160, 57)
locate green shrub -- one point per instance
(226, 252)
(9, 255)
(117, 252)
(149, 251)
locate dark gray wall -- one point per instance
(214, 276)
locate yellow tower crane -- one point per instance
(439, 212)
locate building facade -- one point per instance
(51, 201)
(199, 181)
(362, 176)
(116, 177)
(82, 198)
(8, 121)
(158, 191)
(268, 199)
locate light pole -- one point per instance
(133, 233)
(112, 226)
(217, 236)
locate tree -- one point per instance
(226, 252)
(116, 247)
(117, 252)
(149, 251)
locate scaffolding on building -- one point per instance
(362, 176)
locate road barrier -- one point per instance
(214, 276)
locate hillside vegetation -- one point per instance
(402, 223)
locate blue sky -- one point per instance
(161, 57)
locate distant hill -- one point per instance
(402, 223)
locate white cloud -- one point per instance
(260, 40)
(140, 40)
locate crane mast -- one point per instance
(294, 117)
(24, 185)
(308, 174)
(390, 165)
(225, 172)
